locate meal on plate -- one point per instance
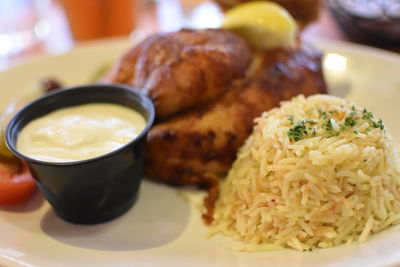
(316, 172)
(207, 87)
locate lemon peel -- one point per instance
(264, 24)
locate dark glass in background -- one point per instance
(374, 22)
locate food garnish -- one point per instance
(333, 123)
(16, 182)
(264, 24)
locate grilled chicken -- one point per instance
(205, 140)
(181, 69)
(200, 145)
(208, 87)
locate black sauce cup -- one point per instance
(94, 190)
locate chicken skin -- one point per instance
(205, 140)
(200, 145)
(208, 86)
(181, 69)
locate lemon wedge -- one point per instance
(5, 116)
(264, 24)
(4, 151)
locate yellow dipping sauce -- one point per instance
(80, 132)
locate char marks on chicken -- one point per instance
(207, 102)
(181, 69)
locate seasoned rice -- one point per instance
(315, 173)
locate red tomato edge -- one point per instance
(18, 189)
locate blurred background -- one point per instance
(29, 28)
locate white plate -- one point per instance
(162, 229)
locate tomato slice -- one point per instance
(16, 182)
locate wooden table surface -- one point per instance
(154, 16)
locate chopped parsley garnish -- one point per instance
(322, 114)
(351, 119)
(327, 122)
(314, 132)
(327, 125)
(380, 124)
(370, 118)
(291, 119)
(298, 131)
(306, 128)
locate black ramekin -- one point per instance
(94, 190)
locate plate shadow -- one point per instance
(158, 217)
(35, 202)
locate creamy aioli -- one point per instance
(80, 132)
